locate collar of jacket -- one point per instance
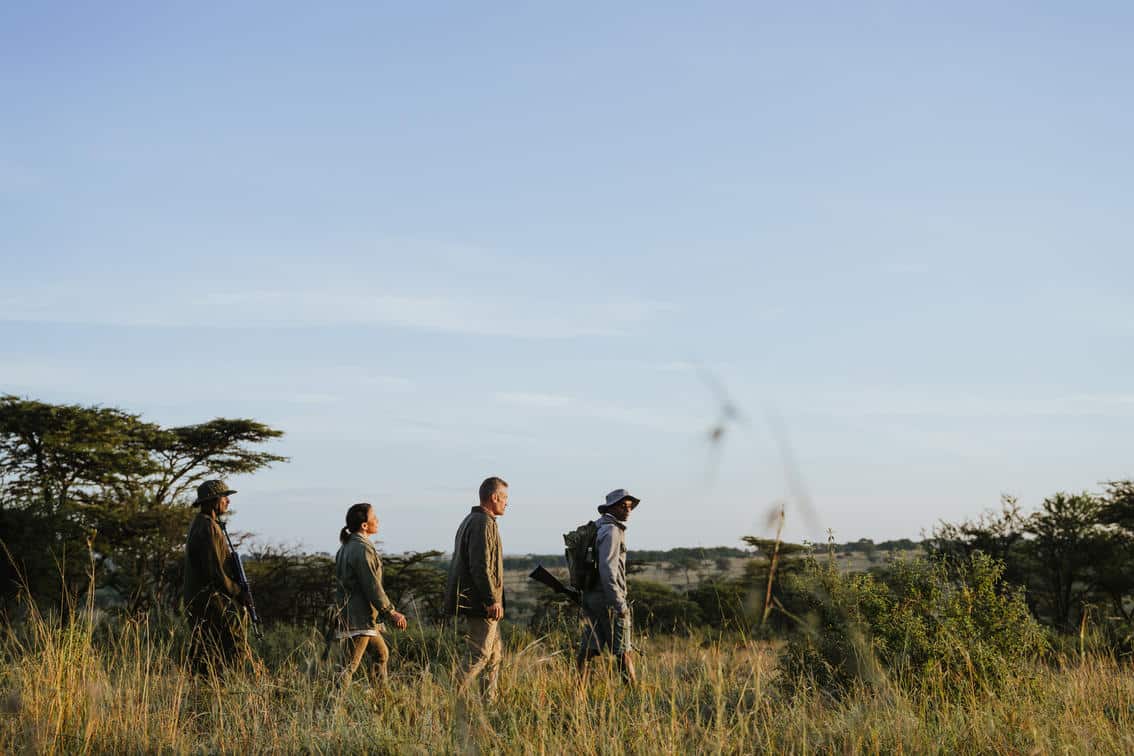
(611, 519)
(360, 537)
(210, 516)
(484, 512)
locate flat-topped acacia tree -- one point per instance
(74, 476)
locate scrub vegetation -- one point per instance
(1008, 634)
(96, 683)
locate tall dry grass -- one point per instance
(95, 686)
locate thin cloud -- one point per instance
(516, 317)
(866, 404)
(531, 399)
(575, 407)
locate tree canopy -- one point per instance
(75, 477)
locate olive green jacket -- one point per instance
(358, 576)
(210, 588)
(476, 571)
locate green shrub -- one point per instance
(946, 625)
(658, 607)
(727, 604)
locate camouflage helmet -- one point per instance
(212, 489)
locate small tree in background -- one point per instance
(415, 582)
(766, 577)
(659, 607)
(76, 477)
(1066, 548)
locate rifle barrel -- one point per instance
(242, 580)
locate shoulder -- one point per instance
(480, 521)
(203, 527)
(353, 548)
(609, 531)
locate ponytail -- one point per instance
(355, 516)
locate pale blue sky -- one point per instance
(438, 242)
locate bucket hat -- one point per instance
(212, 489)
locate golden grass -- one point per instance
(126, 692)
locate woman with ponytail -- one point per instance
(363, 605)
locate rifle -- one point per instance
(242, 580)
(540, 575)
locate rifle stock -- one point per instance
(541, 575)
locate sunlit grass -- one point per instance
(81, 688)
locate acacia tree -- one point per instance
(76, 477)
(415, 578)
(1066, 546)
(52, 454)
(1116, 578)
(142, 523)
(767, 577)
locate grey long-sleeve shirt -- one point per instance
(610, 546)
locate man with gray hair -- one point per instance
(475, 588)
(605, 607)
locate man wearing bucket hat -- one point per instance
(605, 607)
(214, 602)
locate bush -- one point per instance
(950, 625)
(658, 607)
(727, 604)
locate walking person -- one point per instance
(363, 605)
(606, 610)
(214, 602)
(475, 588)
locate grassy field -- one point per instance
(91, 687)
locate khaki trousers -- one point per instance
(355, 649)
(485, 651)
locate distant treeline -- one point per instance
(639, 556)
(688, 554)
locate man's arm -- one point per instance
(607, 548)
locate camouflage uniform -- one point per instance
(211, 594)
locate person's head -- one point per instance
(360, 518)
(619, 504)
(494, 496)
(212, 497)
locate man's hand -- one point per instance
(399, 619)
(494, 611)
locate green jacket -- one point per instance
(358, 574)
(476, 571)
(210, 589)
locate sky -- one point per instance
(434, 242)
